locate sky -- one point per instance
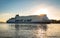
(9, 8)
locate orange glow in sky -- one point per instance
(2, 20)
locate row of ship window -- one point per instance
(23, 20)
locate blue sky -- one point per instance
(9, 8)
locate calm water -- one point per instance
(29, 30)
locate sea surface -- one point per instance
(29, 30)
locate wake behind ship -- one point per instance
(29, 19)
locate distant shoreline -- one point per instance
(35, 23)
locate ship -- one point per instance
(42, 18)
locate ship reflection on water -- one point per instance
(34, 31)
(29, 30)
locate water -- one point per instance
(29, 30)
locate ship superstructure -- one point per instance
(29, 19)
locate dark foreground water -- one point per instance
(29, 30)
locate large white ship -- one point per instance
(29, 19)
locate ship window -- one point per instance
(19, 20)
(29, 20)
